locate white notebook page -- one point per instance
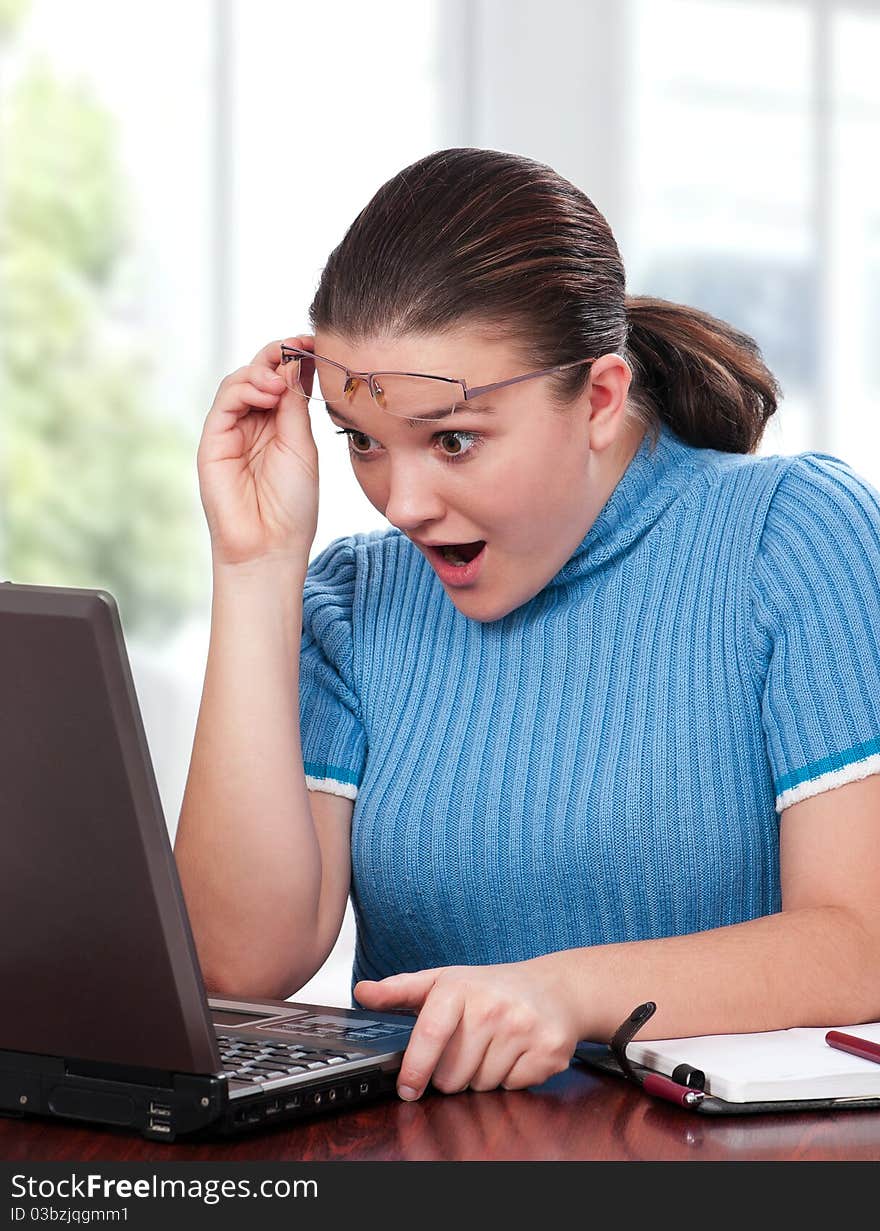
(775, 1064)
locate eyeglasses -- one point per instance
(406, 395)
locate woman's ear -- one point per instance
(610, 379)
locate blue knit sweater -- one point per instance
(608, 762)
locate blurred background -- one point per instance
(173, 178)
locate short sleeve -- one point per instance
(332, 732)
(816, 627)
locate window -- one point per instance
(754, 195)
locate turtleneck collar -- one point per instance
(654, 478)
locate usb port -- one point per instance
(159, 1126)
(160, 1109)
(272, 1109)
(248, 1115)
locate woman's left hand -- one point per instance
(478, 1026)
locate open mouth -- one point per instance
(462, 553)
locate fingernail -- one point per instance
(276, 378)
(407, 1092)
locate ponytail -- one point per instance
(702, 377)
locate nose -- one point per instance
(413, 498)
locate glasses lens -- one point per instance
(405, 397)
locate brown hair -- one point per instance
(504, 244)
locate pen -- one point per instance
(854, 1045)
(676, 1089)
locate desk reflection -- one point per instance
(578, 1116)
(650, 1131)
(512, 1124)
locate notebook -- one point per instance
(105, 1016)
(769, 1070)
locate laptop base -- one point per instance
(162, 1106)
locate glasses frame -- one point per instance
(289, 353)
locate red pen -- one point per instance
(855, 1046)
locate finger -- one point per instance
(499, 1059)
(270, 354)
(224, 433)
(240, 399)
(305, 341)
(462, 1057)
(406, 991)
(529, 1070)
(436, 1024)
(306, 366)
(263, 377)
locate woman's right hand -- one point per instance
(258, 464)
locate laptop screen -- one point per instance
(97, 961)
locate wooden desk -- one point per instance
(576, 1116)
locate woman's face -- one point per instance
(526, 480)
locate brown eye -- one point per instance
(472, 440)
(452, 436)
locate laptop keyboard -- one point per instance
(247, 1060)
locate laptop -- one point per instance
(105, 1017)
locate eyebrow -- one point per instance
(415, 423)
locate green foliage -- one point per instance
(64, 191)
(98, 483)
(11, 14)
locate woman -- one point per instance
(630, 752)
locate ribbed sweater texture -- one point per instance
(609, 761)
